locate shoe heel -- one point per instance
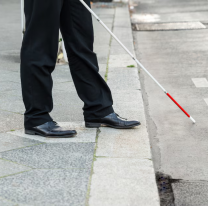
(30, 132)
(92, 125)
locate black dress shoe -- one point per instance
(51, 129)
(112, 120)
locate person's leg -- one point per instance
(77, 31)
(38, 59)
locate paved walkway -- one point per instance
(104, 167)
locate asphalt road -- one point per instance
(178, 59)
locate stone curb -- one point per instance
(123, 172)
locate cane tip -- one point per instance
(192, 119)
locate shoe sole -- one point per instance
(30, 132)
(97, 125)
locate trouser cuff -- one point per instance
(33, 121)
(103, 113)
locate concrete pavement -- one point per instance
(98, 167)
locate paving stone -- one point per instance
(66, 113)
(105, 12)
(74, 116)
(9, 142)
(126, 42)
(101, 49)
(10, 76)
(8, 86)
(122, 22)
(102, 57)
(67, 98)
(12, 103)
(129, 108)
(5, 72)
(12, 93)
(9, 66)
(62, 74)
(117, 49)
(83, 134)
(105, 40)
(10, 121)
(119, 176)
(123, 78)
(122, 60)
(118, 84)
(99, 34)
(9, 168)
(123, 34)
(10, 56)
(46, 187)
(102, 67)
(132, 143)
(103, 74)
(100, 31)
(57, 155)
(128, 97)
(102, 70)
(64, 86)
(122, 72)
(105, 19)
(122, 12)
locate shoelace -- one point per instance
(120, 117)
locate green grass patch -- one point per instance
(131, 66)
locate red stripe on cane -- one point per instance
(178, 105)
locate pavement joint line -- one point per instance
(98, 130)
(10, 81)
(15, 173)
(92, 169)
(11, 112)
(109, 49)
(136, 158)
(69, 168)
(15, 162)
(32, 145)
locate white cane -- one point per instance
(22, 18)
(137, 61)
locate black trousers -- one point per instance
(39, 53)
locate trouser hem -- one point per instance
(104, 113)
(31, 122)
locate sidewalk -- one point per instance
(104, 167)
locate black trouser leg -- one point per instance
(39, 53)
(77, 31)
(38, 58)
